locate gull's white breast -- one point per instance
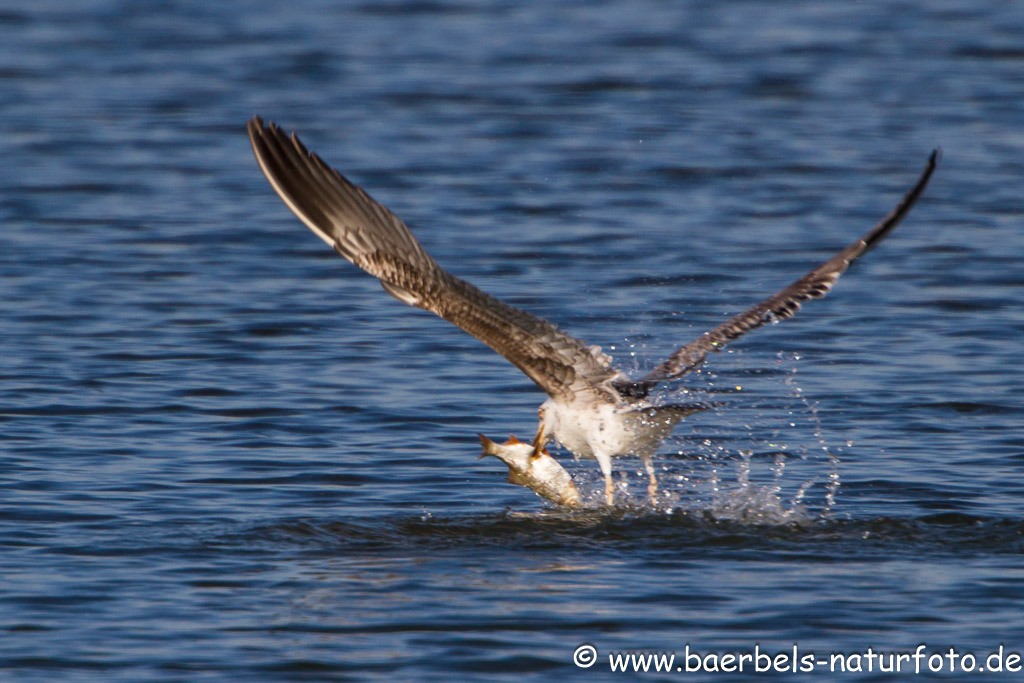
(588, 429)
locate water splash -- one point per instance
(743, 467)
(832, 487)
(750, 503)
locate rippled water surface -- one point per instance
(227, 454)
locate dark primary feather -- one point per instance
(782, 305)
(370, 236)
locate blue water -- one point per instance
(225, 453)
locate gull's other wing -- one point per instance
(782, 305)
(370, 236)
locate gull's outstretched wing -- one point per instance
(370, 236)
(782, 305)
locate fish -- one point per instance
(530, 465)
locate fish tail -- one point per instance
(490, 448)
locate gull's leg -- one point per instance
(652, 488)
(605, 461)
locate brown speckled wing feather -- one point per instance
(370, 236)
(785, 303)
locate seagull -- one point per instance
(592, 409)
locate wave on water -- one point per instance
(646, 531)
